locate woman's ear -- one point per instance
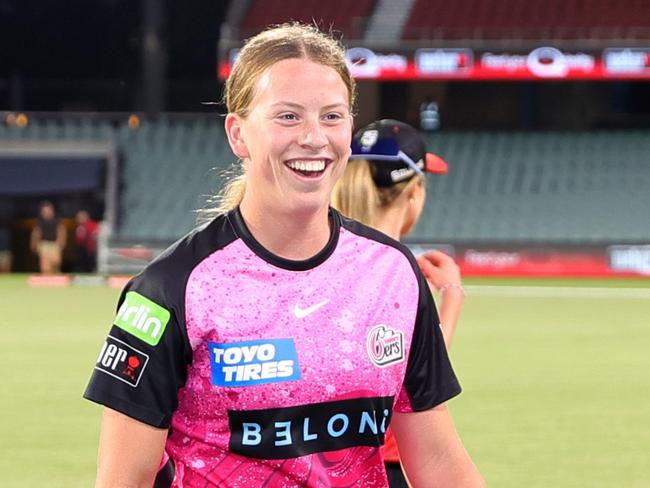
(416, 194)
(235, 136)
(413, 192)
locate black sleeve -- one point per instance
(143, 361)
(429, 379)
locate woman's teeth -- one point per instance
(310, 166)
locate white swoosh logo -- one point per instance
(301, 313)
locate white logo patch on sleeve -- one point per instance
(385, 345)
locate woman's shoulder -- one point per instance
(365, 231)
(378, 238)
(179, 259)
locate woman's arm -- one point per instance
(129, 452)
(443, 274)
(431, 452)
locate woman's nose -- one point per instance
(313, 135)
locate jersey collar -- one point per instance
(242, 231)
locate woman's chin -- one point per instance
(300, 203)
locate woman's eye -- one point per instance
(287, 117)
(333, 116)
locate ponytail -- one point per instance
(355, 195)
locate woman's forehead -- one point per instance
(300, 80)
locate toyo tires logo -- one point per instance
(385, 346)
(254, 362)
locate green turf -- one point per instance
(49, 341)
(557, 390)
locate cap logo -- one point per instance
(401, 174)
(368, 139)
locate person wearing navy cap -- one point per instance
(400, 150)
(384, 187)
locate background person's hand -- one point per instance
(443, 276)
(439, 269)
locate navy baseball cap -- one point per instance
(396, 152)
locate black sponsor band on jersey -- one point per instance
(122, 361)
(281, 433)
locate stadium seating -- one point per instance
(390, 20)
(532, 187)
(521, 19)
(171, 170)
(502, 187)
(348, 18)
(57, 129)
(387, 20)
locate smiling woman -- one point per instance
(306, 53)
(294, 145)
(273, 345)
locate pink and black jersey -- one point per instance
(272, 372)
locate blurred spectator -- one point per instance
(86, 240)
(48, 240)
(5, 247)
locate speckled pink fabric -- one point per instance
(235, 296)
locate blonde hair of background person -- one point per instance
(394, 207)
(290, 100)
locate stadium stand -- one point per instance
(170, 171)
(55, 128)
(349, 19)
(169, 168)
(520, 19)
(503, 187)
(550, 187)
(387, 20)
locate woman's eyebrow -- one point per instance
(286, 104)
(335, 105)
(299, 106)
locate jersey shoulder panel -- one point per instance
(429, 378)
(367, 232)
(143, 362)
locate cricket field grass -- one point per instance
(556, 379)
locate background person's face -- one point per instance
(297, 136)
(47, 212)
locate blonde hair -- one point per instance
(357, 196)
(286, 41)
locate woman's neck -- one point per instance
(290, 235)
(390, 221)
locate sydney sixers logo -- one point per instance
(385, 345)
